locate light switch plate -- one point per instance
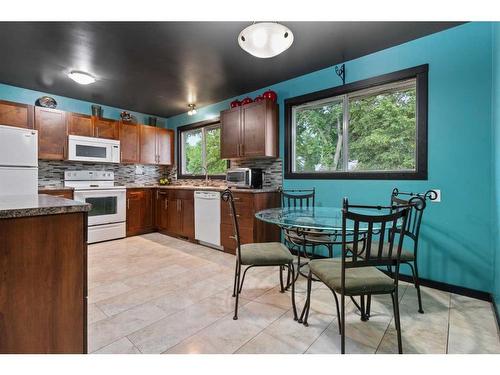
(438, 198)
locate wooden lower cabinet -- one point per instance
(140, 211)
(251, 229)
(43, 284)
(175, 212)
(62, 193)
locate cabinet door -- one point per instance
(105, 128)
(230, 133)
(51, 126)
(16, 114)
(135, 199)
(165, 146)
(139, 211)
(129, 143)
(174, 225)
(186, 207)
(79, 124)
(161, 217)
(253, 130)
(147, 144)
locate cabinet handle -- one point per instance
(236, 199)
(97, 129)
(237, 215)
(233, 237)
(166, 204)
(157, 197)
(128, 203)
(242, 147)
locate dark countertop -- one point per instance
(195, 187)
(17, 206)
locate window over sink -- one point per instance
(199, 150)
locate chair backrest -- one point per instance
(298, 198)
(363, 243)
(227, 196)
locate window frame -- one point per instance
(190, 127)
(419, 73)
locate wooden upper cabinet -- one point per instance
(105, 128)
(16, 114)
(156, 145)
(250, 131)
(253, 134)
(129, 143)
(79, 124)
(148, 144)
(52, 133)
(230, 133)
(165, 146)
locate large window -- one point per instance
(373, 129)
(199, 150)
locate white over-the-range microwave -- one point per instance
(93, 149)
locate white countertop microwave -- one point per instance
(93, 149)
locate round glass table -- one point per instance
(317, 218)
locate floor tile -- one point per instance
(121, 346)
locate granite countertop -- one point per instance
(202, 187)
(16, 206)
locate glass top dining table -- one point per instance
(321, 218)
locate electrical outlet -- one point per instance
(438, 197)
(139, 170)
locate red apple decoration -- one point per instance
(247, 100)
(235, 103)
(259, 98)
(270, 95)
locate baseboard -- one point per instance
(497, 316)
(473, 293)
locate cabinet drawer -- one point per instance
(180, 194)
(244, 214)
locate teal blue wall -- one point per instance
(456, 245)
(26, 96)
(496, 160)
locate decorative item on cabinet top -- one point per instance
(46, 101)
(126, 117)
(96, 110)
(267, 95)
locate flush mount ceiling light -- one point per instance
(192, 109)
(265, 39)
(81, 77)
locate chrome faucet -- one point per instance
(206, 174)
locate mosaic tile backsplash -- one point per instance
(51, 172)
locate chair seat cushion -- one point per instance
(406, 256)
(358, 281)
(265, 254)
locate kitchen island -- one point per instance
(43, 274)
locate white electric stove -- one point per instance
(107, 217)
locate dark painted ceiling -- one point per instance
(158, 67)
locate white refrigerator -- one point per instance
(18, 161)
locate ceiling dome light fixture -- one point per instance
(265, 39)
(81, 77)
(192, 109)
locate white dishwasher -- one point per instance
(207, 218)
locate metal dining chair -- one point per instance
(412, 232)
(355, 273)
(301, 241)
(268, 254)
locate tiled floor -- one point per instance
(156, 294)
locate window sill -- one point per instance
(357, 176)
